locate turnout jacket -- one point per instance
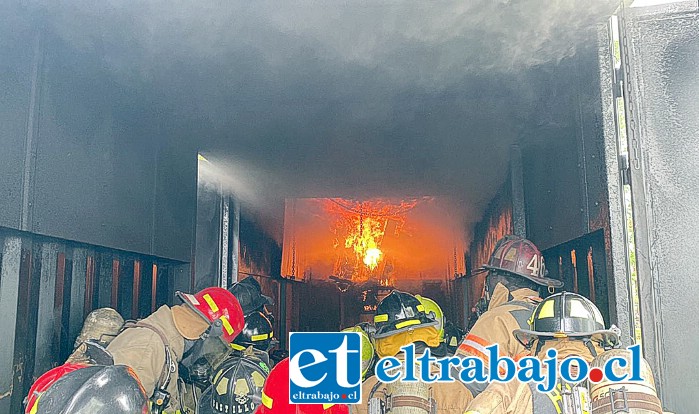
(523, 398)
(143, 350)
(517, 397)
(506, 312)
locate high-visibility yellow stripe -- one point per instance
(421, 308)
(260, 337)
(560, 335)
(237, 347)
(381, 318)
(212, 304)
(546, 311)
(267, 401)
(35, 407)
(227, 325)
(407, 323)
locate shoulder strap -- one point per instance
(169, 365)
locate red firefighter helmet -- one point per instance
(45, 381)
(96, 387)
(218, 306)
(520, 257)
(275, 396)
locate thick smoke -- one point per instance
(328, 98)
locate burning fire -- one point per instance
(360, 227)
(372, 257)
(379, 241)
(364, 239)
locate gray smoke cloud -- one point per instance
(332, 98)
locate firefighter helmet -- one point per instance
(275, 396)
(520, 257)
(635, 397)
(101, 325)
(400, 312)
(433, 309)
(220, 308)
(249, 294)
(97, 388)
(567, 315)
(368, 354)
(45, 381)
(237, 385)
(257, 333)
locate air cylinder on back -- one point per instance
(635, 397)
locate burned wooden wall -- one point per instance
(497, 222)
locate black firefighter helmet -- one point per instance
(95, 389)
(249, 294)
(567, 315)
(257, 332)
(400, 312)
(237, 385)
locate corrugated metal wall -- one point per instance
(48, 286)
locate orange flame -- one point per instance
(360, 227)
(364, 239)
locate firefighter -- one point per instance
(573, 326)
(256, 338)
(257, 333)
(401, 320)
(275, 396)
(516, 272)
(249, 294)
(110, 389)
(199, 329)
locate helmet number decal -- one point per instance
(536, 265)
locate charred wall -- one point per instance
(496, 223)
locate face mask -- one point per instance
(209, 347)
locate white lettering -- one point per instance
(295, 373)
(342, 363)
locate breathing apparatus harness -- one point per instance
(161, 397)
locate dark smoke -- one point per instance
(329, 98)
